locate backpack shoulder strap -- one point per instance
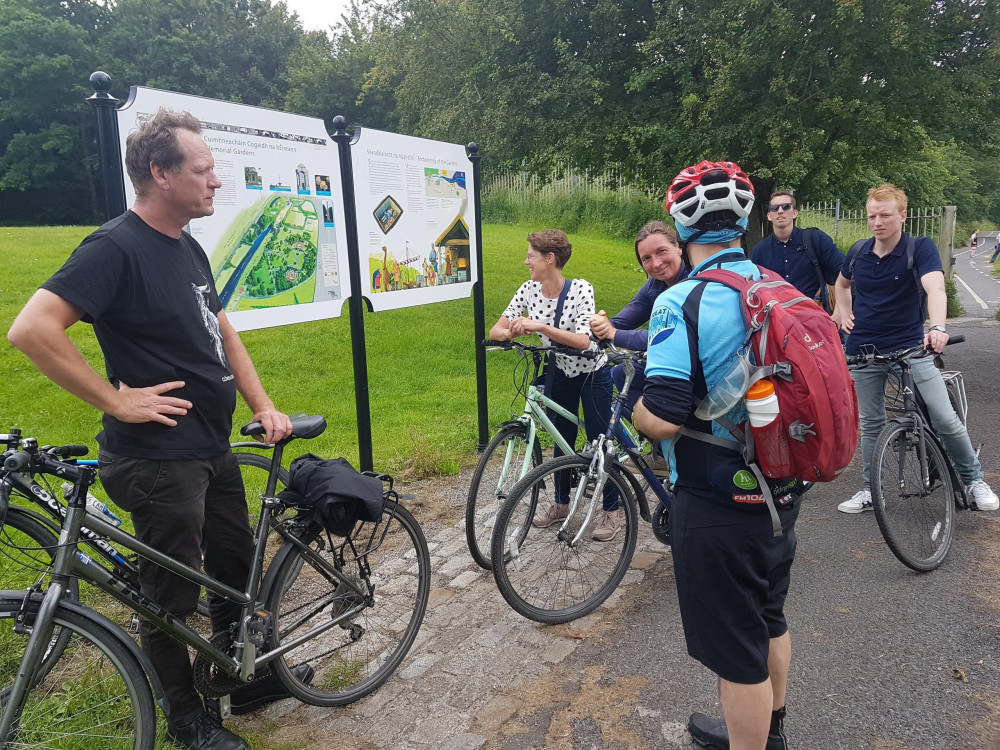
(551, 371)
(852, 256)
(808, 237)
(852, 259)
(911, 245)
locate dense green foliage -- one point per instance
(827, 98)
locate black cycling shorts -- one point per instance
(732, 578)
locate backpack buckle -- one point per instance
(798, 431)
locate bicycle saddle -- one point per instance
(303, 426)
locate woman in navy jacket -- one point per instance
(659, 255)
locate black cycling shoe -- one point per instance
(206, 733)
(712, 733)
(266, 690)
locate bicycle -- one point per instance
(915, 488)
(28, 537)
(557, 577)
(515, 449)
(349, 607)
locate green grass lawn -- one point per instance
(421, 360)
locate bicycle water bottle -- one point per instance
(769, 439)
(94, 506)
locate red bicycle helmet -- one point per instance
(706, 188)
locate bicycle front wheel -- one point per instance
(917, 518)
(29, 544)
(389, 561)
(498, 470)
(95, 696)
(538, 570)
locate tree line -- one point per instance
(827, 98)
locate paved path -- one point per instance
(475, 664)
(978, 288)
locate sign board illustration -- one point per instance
(414, 213)
(276, 241)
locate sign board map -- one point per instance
(276, 241)
(414, 218)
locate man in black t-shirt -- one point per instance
(174, 364)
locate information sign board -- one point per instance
(276, 241)
(416, 222)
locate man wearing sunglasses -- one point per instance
(806, 258)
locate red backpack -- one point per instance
(795, 344)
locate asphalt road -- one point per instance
(978, 289)
(884, 658)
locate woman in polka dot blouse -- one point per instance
(575, 380)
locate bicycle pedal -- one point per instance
(133, 624)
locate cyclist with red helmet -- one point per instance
(732, 573)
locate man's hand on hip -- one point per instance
(135, 405)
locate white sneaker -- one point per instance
(861, 502)
(982, 497)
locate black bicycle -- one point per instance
(30, 530)
(915, 488)
(349, 607)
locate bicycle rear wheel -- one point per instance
(255, 468)
(387, 560)
(498, 470)
(95, 696)
(917, 521)
(537, 571)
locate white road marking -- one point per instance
(969, 290)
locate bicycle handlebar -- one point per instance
(45, 463)
(557, 348)
(914, 352)
(66, 451)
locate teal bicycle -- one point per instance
(516, 448)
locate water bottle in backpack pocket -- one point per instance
(770, 438)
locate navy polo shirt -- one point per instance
(887, 312)
(789, 259)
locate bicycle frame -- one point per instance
(606, 446)
(534, 414)
(70, 561)
(914, 412)
(56, 515)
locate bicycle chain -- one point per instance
(209, 679)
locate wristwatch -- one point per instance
(936, 328)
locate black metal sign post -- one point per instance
(355, 303)
(479, 307)
(108, 145)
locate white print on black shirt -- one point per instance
(211, 322)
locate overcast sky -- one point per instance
(318, 15)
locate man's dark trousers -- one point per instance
(186, 509)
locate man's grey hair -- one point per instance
(155, 142)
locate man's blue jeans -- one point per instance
(870, 384)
